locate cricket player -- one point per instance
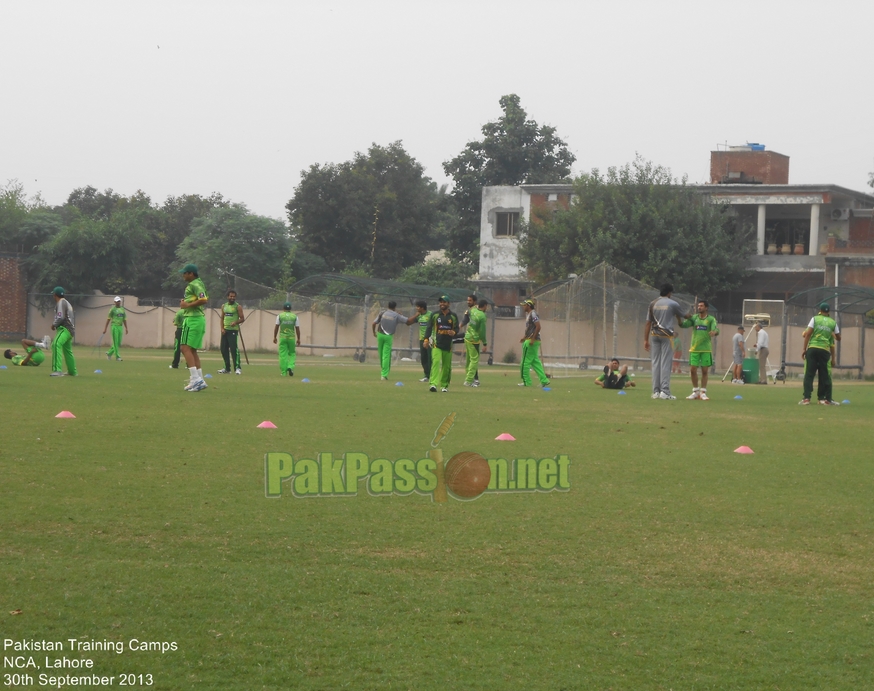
(441, 330)
(475, 341)
(232, 317)
(704, 328)
(738, 353)
(422, 317)
(178, 321)
(531, 347)
(194, 326)
(62, 345)
(118, 318)
(384, 327)
(614, 377)
(660, 326)
(33, 355)
(289, 336)
(819, 352)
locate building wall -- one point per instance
(764, 167)
(498, 255)
(13, 306)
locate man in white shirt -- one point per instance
(762, 341)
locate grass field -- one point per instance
(671, 563)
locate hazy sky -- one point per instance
(239, 97)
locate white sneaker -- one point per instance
(424, 379)
(189, 385)
(199, 385)
(383, 379)
(466, 384)
(694, 397)
(522, 384)
(475, 383)
(704, 396)
(667, 397)
(47, 342)
(655, 396)
(223, 371)
(56, 374)
(444, 390)
(238, 371)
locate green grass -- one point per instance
(672, 562)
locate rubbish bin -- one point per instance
(751, 370)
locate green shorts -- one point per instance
(701, 359)
(193, 330)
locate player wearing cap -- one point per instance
(738, 353)
(118, 318)
(33, 355)
(232, 317)
(289, 334)
(474, 339)
(531, 346)
(384, 327)
(819, 343)
(701, 351)
(763, 341)
(62, 346)
(614, 377)
(439, 335)
(194, 326)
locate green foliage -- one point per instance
(377, 210)
(510, 357)
(640, 220)
(514, 150)
(300, 264)
(15, 206)
(454, 274)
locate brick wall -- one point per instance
(13, 306)
(746, 167)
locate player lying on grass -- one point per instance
(33, 357)
(614, 377)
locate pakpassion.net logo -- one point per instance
(467, 475)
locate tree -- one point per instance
(15, 206)
(233, 240)
(642, 221)
(376, 211)
(514, 150)
(440, 274)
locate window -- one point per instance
(506, 224)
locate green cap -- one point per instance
(188, 267)
(824, 307)
(58, 291)
(444, 298)
(286, 306)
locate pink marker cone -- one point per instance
(505, 437)
(65, 413)
(743, 449)
(267, 425)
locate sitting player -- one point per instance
(33, 357)
(614, 377)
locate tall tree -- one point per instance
(641, 220)
(513, 150)
(234, 240)
(375, 211)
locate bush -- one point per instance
(509, 357)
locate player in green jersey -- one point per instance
(531, 347)
(178, 321)
(194, 326)
(232, 317)
(118, 318)
(819, 342)
(701, 351)
(33, 355)
(475, 341)
(422, 318)
(288, 332)
(439, 334)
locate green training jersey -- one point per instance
(117, 316)
(422, 320)
(179, 318)
(824, 329)
(476, 328)
(230, 315)
(195, 290)
(701, 329)
(35, 361)
(287, 321)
